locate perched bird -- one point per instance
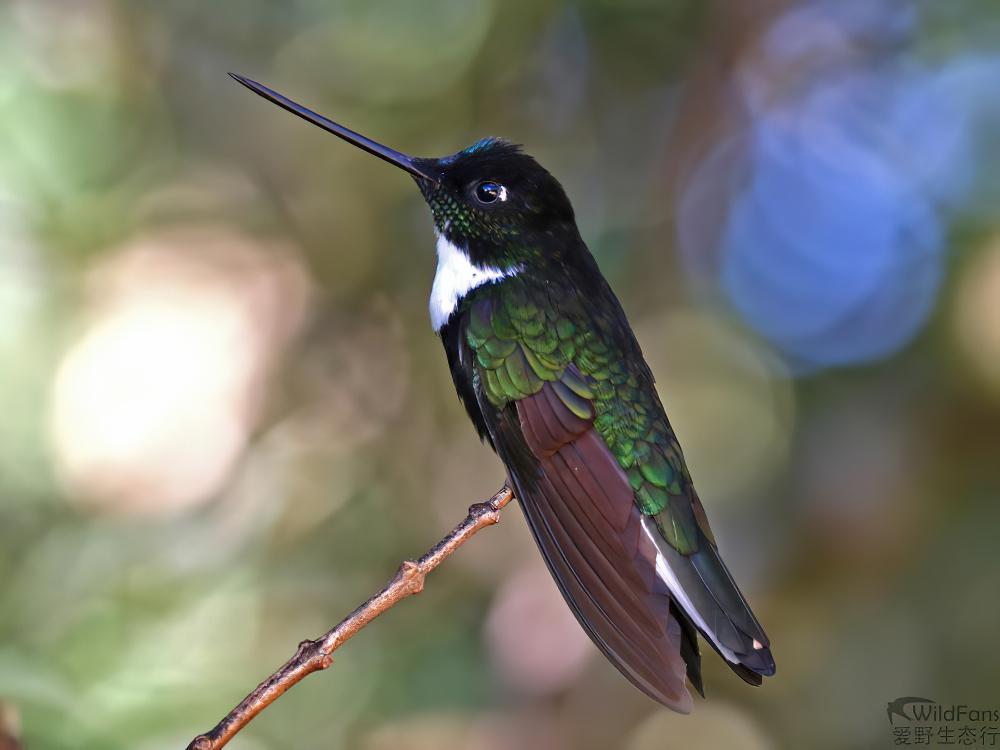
(548, 368)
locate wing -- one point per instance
(607, 496)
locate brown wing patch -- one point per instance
(547, 423)
(600, 473)
(582, 512)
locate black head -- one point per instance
(496, 203)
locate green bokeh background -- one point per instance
(858, 506)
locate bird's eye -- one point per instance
(490, 192)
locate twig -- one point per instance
(313, 656)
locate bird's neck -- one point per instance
(456, 277)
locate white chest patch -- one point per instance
(456, 276)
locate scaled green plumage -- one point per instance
(523, 339)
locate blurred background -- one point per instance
(226, 419)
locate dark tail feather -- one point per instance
(689, 648)
(717, 608)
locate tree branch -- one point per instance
(313, 656)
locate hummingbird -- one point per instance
(547, 366)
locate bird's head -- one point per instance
(491, 200)
(496, 203)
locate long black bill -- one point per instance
(367, 144)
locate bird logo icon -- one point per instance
(898, 707)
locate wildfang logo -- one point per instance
(927, 722)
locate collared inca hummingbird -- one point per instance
(549, 371)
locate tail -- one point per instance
(704, 590)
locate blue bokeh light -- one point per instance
(834, 200)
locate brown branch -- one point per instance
(313, 656)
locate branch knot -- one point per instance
(413, 576)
